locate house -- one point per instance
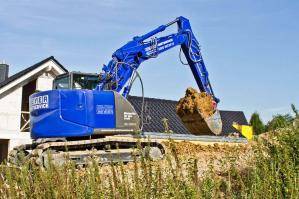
(14, 100)
(14, 105)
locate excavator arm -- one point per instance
(126, 60)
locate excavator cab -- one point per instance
(76, 80)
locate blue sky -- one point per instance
(250, 47)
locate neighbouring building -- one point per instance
(14, 100)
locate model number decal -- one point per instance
(105, 109)
(128, 115)
(40, 102)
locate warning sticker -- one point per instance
(128, 115)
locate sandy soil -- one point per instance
(195, 102)
(217, 158)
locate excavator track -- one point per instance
(103, 150)
(124, 148)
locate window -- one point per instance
(83, 81)
(62, 83)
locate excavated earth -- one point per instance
(195, 102)
(218, 157)
(195, 110)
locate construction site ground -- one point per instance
(207, 156)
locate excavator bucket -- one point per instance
(199, 113)
(198, 125)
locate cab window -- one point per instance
(82, 81)
(61, 83)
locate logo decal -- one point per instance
(105, 109)
(40, 102)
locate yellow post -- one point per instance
(245, 130)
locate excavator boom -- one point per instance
(128, 58)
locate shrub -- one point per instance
(257, 124)
(279, 121)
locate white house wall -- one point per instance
(10, 119)
(15, 138)
(10, 111)
(44, 82)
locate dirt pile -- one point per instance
(195, 103)
(186, 148)
(199, 114)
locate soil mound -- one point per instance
(195, 103)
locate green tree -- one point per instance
(257, 124)
(279, 121)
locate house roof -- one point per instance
(27, 70)
(157, 109)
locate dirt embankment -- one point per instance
(216, 156)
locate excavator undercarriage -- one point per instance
(123, 147)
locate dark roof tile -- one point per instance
(157, 109)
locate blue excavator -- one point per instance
(90, 114)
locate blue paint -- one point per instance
(71, 113)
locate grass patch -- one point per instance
(272, 172)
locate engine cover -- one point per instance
(73, 113)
